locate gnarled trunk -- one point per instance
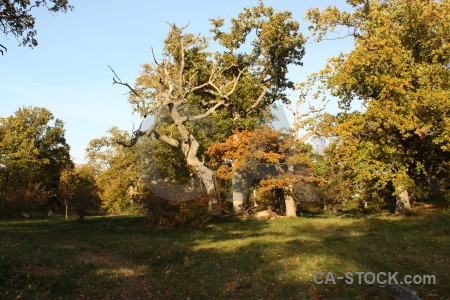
(291, 207)
(189, 147)
(206, 176)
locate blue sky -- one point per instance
(68, 74)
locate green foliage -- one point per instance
(86, 200)
(158, 161)
(33, 154)
(235, 86)
(399, 72)
(277, 43)
(335, 182)
(115, 171)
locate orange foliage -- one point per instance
(262, 146)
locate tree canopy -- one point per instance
(191, 83)
(209, 101)
(398, 71)
(33, 154)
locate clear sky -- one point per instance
(68, 74)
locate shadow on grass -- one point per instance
(116, 257)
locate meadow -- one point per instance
(118, 257)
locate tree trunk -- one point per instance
(403, 207)
(81, 211)
(206, 176)
(335, 208)
(238, 192)
(435, 193)
(189, 146)
(291, 207)
(66, 204)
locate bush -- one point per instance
(164, 213)
(29, 198)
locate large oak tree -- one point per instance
(33, 152)
(191, 83)
(399, 71)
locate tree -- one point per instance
(244, 159)
(66, 189)
(115, 171)
(399, 72)
(16, 18)
(267, 159)
(335, 182)
(34, 152)
(86, 199)
(191, 84)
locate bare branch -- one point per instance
(117, 80)
(154, 57)
(306, 136)
(206, 114)
(236, 80)
(198, 87)
(169, 140)
(3, 47)
(338, 37)
(150, 131)
(299, 118)
(155, 124)
(309, 112)
(260, 98)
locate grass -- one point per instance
(115, 257)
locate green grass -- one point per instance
(116, 257)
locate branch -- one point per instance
(340, 37)
(1, 46)
(155, 124)
(205, 115)
(152, 130)
(166, 139)
(311, 111)
(260, 98)
(117, 80)
(299, 121)
(236, 80)
(306, 136)
(138, 133)
(154, 58)
(198, 87)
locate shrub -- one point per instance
(165, 213)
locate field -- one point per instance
(116, 257)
